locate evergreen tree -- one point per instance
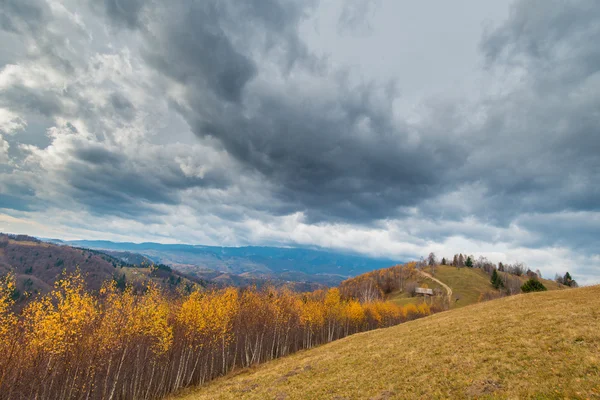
(497, 280)
(431, 260)
(469, 262)
(569, 281)
(120, 281)
(533, 285)
(443, 260)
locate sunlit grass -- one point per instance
(540, 345)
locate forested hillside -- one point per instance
(133, 344)
(37, 265)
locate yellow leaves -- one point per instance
(332, 298)
(208, 315)
(56, 322)
(8, 320)
(117, 333)
(424, 309)
(312, 314)
(355, 313)
(150, 319)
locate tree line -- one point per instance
(125, 344)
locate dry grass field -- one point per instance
(540, 345)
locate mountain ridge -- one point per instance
(299, 264)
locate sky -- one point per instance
(390, 128)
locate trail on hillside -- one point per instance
(448, 288)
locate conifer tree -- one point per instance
(533, 285)
(496, 280)
(569, 281)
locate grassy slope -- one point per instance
(403, 298)
(466, 283)
(539, 345)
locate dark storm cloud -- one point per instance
(304, 134)
(340, 158)
(108, 181)
(96, 155)
(339, 154)
(29, 100)
(336, 155)
(546, 130)
(202, 57)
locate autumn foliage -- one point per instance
(375, 285)
(117, 344)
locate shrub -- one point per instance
(533, 285)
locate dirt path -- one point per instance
(448, 288)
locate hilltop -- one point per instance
(452, 287)
(540, 345)
(468, 285)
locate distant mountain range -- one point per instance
(250, 262)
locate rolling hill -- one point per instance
(540, 345)
(251, 262)
(467, 285)
(37, 265)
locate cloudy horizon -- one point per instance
(388, 128)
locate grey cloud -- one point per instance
(308, 136)
(108, 181)
(122, 106)
(20, 16)
(195, 56)
(98, 154)
(542, 138)
(333, 155)
(28, 100)
(355, 15)
(575, 230)
(126, 12)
